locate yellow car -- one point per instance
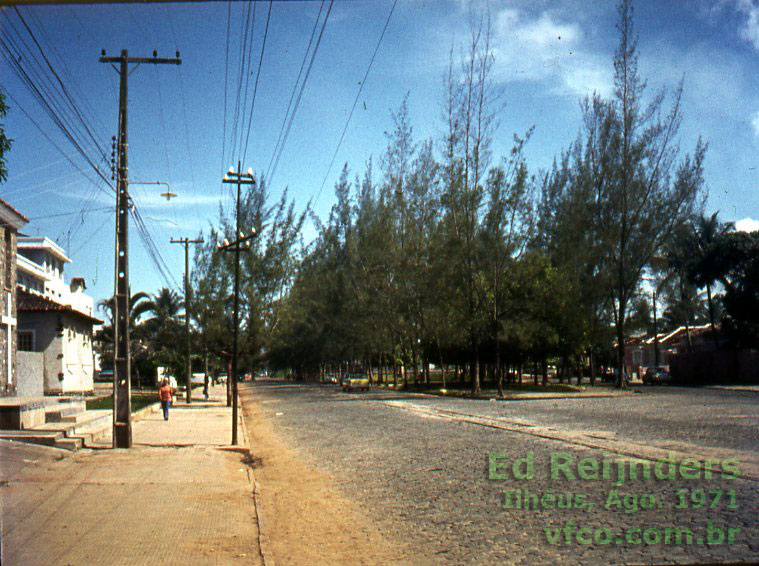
(355, 381)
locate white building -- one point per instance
(55, 321)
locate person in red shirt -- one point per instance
(164, 393)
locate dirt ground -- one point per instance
(306, 520)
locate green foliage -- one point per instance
(446, 256)
(5, 142)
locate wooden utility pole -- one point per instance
(239, 179)
(122, 425)
(186, 242)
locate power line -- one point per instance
(258, 75)
(355, 102)
(243, 50)
(68, 213)
(300, 94)
(65, 91)
(295, 89)
(55, 145)
(244, 99)
(45, 98)
(226, 81)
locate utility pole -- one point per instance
(122, 425)
(186, 242)
(239, 179)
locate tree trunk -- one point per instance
(474, 372)
(620, 355)
(711, 316)
(498, 370)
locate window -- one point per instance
(637, 357)
(26, 340)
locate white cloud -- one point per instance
(545, 48)
(747, 225)
(750, 28)
(755, 123)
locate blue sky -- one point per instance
(548, 54)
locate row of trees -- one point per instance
(457, 257)
(453, 256)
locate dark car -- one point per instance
(657, 375)
(609, 375)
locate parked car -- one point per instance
(609, 375)
(221, 378)
(353, 381)
(657, 375)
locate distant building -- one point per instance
(55, 322)
(640, 351)
(11, 221)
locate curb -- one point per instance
(263, 539)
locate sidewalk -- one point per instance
(180, 495)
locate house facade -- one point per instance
(11, 221)
(641, 351)
(55, 327)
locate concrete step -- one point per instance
(47, 438)
(72, 444)
(54, 413)
(87, 427)
(75, 417)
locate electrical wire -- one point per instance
(65, 91)
(226, 81)
(55, 145)
(295, 88)
(300, 94)
(355, 102)
(242, 73)
(244, 99)
(258, 75)
(69, 213)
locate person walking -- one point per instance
(164, 393)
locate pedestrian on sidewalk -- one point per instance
(164, 393)
(205, 387)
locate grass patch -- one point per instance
(139, 401)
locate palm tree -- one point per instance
(706, 268)
(139, 304)
(161, 331)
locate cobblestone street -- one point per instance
(418, 467)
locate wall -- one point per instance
(8, 280)
(30, 370)
(77, 362)
(726, 367)
(46, 340)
